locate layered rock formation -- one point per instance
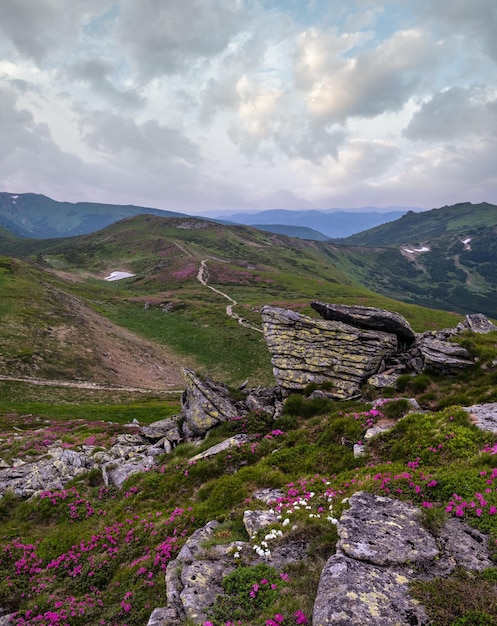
(352, 344)
(382, 547)
(306, 350)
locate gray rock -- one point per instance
(383, 531)
(255, 520)
(233, 442)
(369, 318)
(201, 585)
(206, 403)
(479, 323)
(163, 616)
(167, 429)
(117, 473)
(47, 474)
(383, 380)
(268, 495)
(442, 356)
(307, 350)
(354, 593)
(467, 546)
(193, 546)
(484, 415)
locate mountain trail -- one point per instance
(203, 278)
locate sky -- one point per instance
(216, 106)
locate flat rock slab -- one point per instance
(384, 531)
(354, 593)
(367, 317)
(232, 442)
(484, 415)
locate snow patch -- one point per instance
(423, 249)
(118, 276)
(14, 197)
(466, 241)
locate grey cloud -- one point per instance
(30, 160)
(36, 28)
(166, 37)
(376, 81)
(148, 145)
(27, 25)
(97, 74)
(453, 114)
(477, 19)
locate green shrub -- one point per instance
(395, 409)
(420, 383)
(245, 595)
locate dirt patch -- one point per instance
(126, 358)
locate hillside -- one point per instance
(35, 215)
(445, 258)
(458, 220)
(120, 488)
(165, 302)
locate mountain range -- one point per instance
(38, 216)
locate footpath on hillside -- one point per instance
(203, 277)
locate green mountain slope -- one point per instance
(458, 220)
(165, 302)
(445, 258)
(35, 215)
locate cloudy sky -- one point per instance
(221, 105)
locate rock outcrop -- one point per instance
(206, 403)
(369, 318)
(306, 350)
(353, 345)
(382, 547)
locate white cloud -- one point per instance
(166, 37)
(250, 103)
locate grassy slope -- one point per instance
(149, 519)
(425, 458)
(415, 228)
(252, 267)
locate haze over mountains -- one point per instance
(38, 216)
(333, 223)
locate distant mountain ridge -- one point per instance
(334, 223)
(40, 217)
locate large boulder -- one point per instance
(367, 317)
(442, 356)
(383, 546)
(205, 403)
(306, 350)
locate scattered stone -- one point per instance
(47, 474)
(484, 415)
(255, 520)
(167, 428)
(233, 442)
(117, 473)
(380, 381)
(206, 403)
(478, 323)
